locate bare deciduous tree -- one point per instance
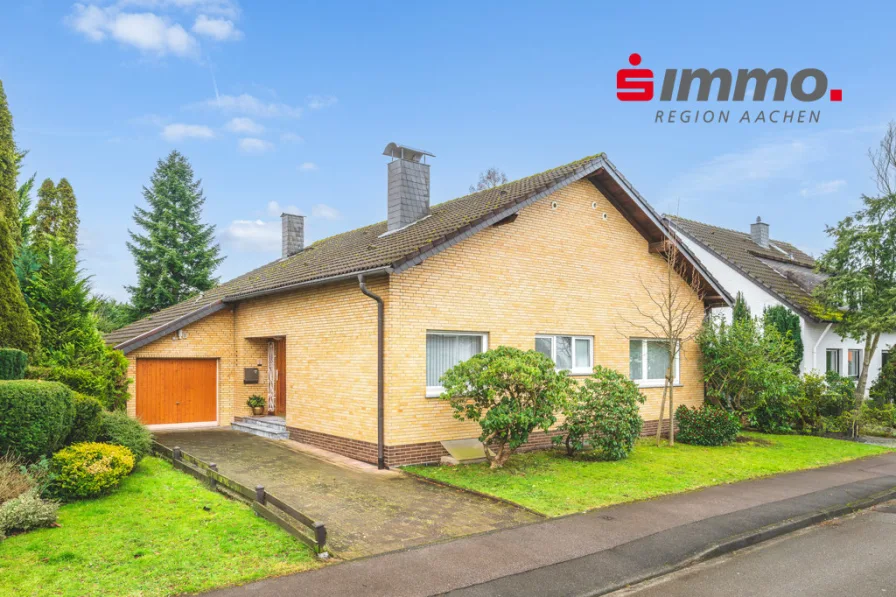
(672, 315)
(489, 179)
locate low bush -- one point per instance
(35, 417)
(883, 390)
(706, 426)
(603, 415)
(25, 512)
(13, 480)
(89, 469)
(821, 402)
(88, 419)
(12, 363)
(120, 429)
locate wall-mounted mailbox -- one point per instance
(250, 375)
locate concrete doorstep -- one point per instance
(601, 551)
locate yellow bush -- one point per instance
(89, 469)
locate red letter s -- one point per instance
(634, 84)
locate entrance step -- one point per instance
(269, 427)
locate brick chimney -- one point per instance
(408, 185)
(293, 234)
(759, 233)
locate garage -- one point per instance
(177, 391)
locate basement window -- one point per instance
(569, 353)
(648, 360)
(444, 350)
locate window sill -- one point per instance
(434, 391)
(657, 384)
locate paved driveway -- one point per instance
(366, 511)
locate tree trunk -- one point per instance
(500, 457)
(671, 383)
(871, 341)
(659, 424)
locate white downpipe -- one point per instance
(272, 376)
(817, 344)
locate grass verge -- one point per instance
(553, 484)
(160, 533)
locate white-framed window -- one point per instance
(854, 363)
(444, 350)
(648, 359)
(569, 353)
(833, 360)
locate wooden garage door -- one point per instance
(176, 390)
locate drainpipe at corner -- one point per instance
(380, 326)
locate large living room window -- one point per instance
(833, 360)
(444, 350)
(648, 359)
(569, 353)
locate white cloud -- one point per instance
(290, 138)
(217, 29)
(325, 212)
(244, 125)
(316, 102)
(148, 32)
(251, 105)
(225, 8)
(253, 235)
(308, 167)
(177, 132)
(823, 188)
(253, 145)
(275, 209)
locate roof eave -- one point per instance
(182, 321)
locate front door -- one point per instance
(280, 390)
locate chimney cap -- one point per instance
(286, 214)
(394, 150)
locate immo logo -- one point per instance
(756, 85)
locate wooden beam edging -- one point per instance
(257, 498)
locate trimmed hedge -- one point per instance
(706, 426)
(83, 381)
(35, 417)
(89, 469)
(120, 429)
(88, 419)
(12, 363)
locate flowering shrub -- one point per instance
(89, 469)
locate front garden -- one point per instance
(553, 484)
(160, 533)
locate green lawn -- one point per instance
(152, 536)
(553, 484)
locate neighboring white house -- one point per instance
(768, 272)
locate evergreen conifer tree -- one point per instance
(17, 329)
(46, 215)
(175, 254)
(68, 212)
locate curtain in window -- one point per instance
(635, 359)
(583, 354)
(657, 360)
(445, 351)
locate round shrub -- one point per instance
(12, 363)
(603, 414)
(706, 426)
(89, 469)
(27, 511)
(88, 419)
(883, 390)
(35, 417)
(120, 429)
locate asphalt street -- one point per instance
(855, 555)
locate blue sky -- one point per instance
(293, 103)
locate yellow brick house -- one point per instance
(346, 338)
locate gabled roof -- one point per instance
(369, 250)
(782, 270)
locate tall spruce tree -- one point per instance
(17, 329)
(46, 215)
(68, 212)
(175, 256)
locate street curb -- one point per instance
(751, 538)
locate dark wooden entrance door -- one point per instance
(280, 348)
